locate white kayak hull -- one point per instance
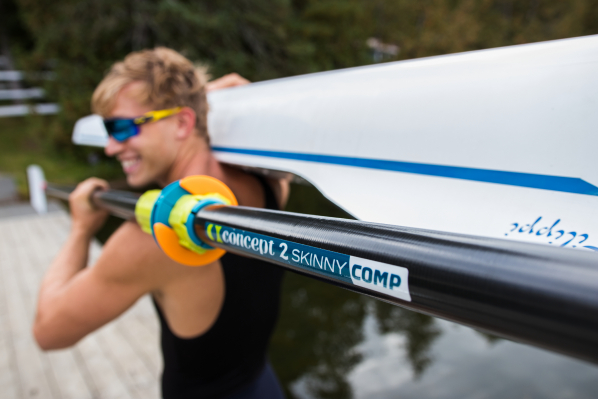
(498, 143)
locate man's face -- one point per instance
(147, 157)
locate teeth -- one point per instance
(129, 163)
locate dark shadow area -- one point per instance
(307, 199)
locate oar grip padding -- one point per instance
(168, 215)
(143, 209)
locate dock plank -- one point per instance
(10, 384)
(121, 360)
(62, 372)
(29, 363)
(61, 368)
(131, 368)
(68, 375)
(140, 333)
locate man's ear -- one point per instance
(186, 123)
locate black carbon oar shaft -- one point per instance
(530, 293)
(60, 192)
(119, 203)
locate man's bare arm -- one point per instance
(74, 300)
(227, 81)
(130, 266)
(86, 220)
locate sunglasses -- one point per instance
(123, 129)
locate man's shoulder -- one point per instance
(131, 254)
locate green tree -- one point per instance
(436, 27)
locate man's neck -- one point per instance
(194, 160)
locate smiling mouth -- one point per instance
(129, 164)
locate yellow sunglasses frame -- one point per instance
(154, 116)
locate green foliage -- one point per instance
(333, 33)
(12, 27)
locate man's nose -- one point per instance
(113, 147)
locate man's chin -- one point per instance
(137, 182)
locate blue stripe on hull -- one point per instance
(544, 182)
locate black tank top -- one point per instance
(231, 353)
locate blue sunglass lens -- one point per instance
(121, 129)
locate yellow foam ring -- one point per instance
(178, 219)
(169, 243)
(200, 185)
(143, 209)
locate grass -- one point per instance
(27, 140)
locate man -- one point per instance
(217, 319)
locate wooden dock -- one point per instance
(121, 360)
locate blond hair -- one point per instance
(170, 80)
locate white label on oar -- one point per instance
(381, 277)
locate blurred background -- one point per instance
(330, 343)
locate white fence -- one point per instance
(20, 94)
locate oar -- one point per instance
(538, 295)
(118, 203)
